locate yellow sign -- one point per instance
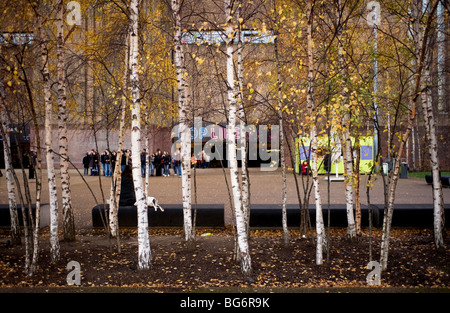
(302, 154)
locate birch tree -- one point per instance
(68, 218)
(423, 49)
(53, 197)
(280, 122)
(347, 144)
(244, 251)
(320, 228)
(144, 253)
(183, 117)
(5, 122)
(116, 177)
(15, 229)
(431, 137)
(245, 178)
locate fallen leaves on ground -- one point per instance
(413, 261)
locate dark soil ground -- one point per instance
(209, 265)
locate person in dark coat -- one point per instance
(113, 161)
(94, 163)
(158, 163)
(123, 160)
(151, 167)
(86, 160)
(143, 163)
(166, 163)
(127, 194)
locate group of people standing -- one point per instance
(159, 163)
(92, 161)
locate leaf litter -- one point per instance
(210, 264)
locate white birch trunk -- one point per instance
(147, 155)
(245, 181)
(15, 229)
(282, 149)
(68, 218)
(185, 133)
(421, 42)
(430, 127)
(348, 156)
(144, 253)
(117, 178)
(38, 201)
(53, 198)
(431, 137)
(320, 227)
(348, 162)
(241, 228)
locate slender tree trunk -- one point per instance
(430, 128)
(231, 147)
(144, 253)
(183, 107)
(15, 229)
(421, 47)
(117, 178)
(68, 218)
(282, 148)
(53, 198)
(38, 197)
(38, 168)
(347, 144)
(431, 136)
(357, 179)
(348, 162)
(320, 228)
(245, 178)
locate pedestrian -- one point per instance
(86, 160)
(113, 161)
(199, 160)
(174, 163)
(129, 158)
(143, 162)
(166, 162)
(151, 165)
(206, 159)
(93, 164)
(103, 162)
(158, 165)
(178, 161)
(305, 168)
(108, 163)
(123, 161)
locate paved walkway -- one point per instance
(266, 187)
